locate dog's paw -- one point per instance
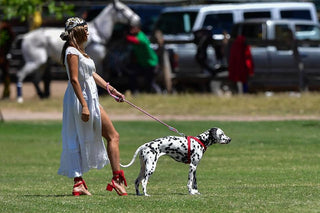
(194, 192)
(140, 194)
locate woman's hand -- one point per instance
(85, 114)
(119, 95)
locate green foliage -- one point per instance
(3, 37)
(268, 167)
(24, 9)
(60, 10)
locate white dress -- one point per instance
(82, 144)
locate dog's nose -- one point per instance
(229, 140)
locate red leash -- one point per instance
(141, 110)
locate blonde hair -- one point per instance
(75, 36)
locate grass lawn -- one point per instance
(268, 167)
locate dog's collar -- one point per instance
(189, 146)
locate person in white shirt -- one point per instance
(84, 120)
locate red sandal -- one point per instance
(118, 178)
(80, 188)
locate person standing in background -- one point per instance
(145, 61)
(241, 65)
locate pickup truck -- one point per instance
(275, 62)
(178, 24)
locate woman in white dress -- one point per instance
(84, 120)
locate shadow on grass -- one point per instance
(129, 194)
(66, 195)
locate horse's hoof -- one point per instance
(20, 100)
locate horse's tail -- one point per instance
(134, 157)
(17, 41)
(15, 53)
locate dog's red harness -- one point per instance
(189, 146)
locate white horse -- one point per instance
(43, 43)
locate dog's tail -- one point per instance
(134, 157)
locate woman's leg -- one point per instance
(112, 137)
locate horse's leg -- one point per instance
(28, 68)
(47, 79)
(38, 90)
(36, 79)
(35, 54)
(43, 73)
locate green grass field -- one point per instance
(268, 167)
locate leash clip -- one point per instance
(175, 130)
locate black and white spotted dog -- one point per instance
(187, 150)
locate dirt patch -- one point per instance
(15, 115)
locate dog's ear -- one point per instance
(213, 131)
(213, 135)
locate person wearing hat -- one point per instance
(84, 120)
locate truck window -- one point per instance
(307, 32)
(283, 37)
(252, 31)
(220, 22)
(176, 22)
(260, 14)
(281, 31)
(296, 14)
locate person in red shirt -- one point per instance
(241, 65)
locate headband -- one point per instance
(70, 24)
(74, 22)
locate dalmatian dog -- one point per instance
(187, 150)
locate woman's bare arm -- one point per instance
(102, 83)
(73, 63)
